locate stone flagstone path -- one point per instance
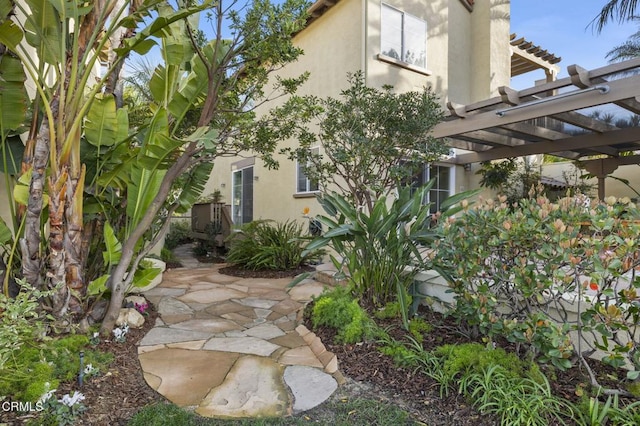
(234, 347)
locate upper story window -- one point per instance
(304, 184)
(403, 37)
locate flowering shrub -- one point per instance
(534, 271)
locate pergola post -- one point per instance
(601, 168)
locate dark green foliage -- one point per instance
(179, 233)
(268, 245)
(339, 310)
(417, 327)
(401, 354)
(371, 139)
(381, 249)
(390, 310)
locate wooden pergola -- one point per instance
(555, 118)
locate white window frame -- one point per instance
(237, 202)
(308, 182)
(406, 18)
(451, 184)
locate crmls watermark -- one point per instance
(20, 406)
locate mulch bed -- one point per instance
(113, 398)
(420, 395)
(237, 271)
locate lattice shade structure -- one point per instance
(557, 118)
(527, 57)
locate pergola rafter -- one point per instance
(552, 118)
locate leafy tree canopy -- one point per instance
(371, 139)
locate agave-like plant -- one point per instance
(382, 250)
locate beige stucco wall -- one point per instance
(332, 46)
(491, 53)
(459, 44)
(612, 185)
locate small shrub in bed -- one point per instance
(270, 245)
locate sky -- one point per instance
(563, 28)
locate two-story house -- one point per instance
(462, 49)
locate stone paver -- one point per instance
(310, 386)
(186, 376)
(252, 388)
(233, 347)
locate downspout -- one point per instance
(365, 32)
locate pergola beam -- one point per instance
(618, 90)
(593, 140)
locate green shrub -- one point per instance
(179, 233)
(21, 321)
(339, 310)
(264, 245)
(513, 400)
(167, 256)
(380, 249)
(509, 265)
(461, 359)
(417, 328)
(400, 354)
(389, 310)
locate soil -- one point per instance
(113, 398)
(236, 271)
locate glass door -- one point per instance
(242, 196)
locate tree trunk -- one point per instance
(118, 283)
(32, 264)
(74, 242)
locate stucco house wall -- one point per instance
(468, 58)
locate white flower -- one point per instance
(89, 369)
(47, 394)
(120, 332)
(71, 400)
(96, 335)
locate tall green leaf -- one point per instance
(101, 126)
(13, 96)
(6, 236)
(143, 188)
(194, 185)
(44, 31)
(113, 252)
(5, 8)
(144, 276)
(10, 35)
(13, 149)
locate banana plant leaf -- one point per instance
(13, 95)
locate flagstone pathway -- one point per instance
(234, 347)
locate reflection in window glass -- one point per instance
(403, 37)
